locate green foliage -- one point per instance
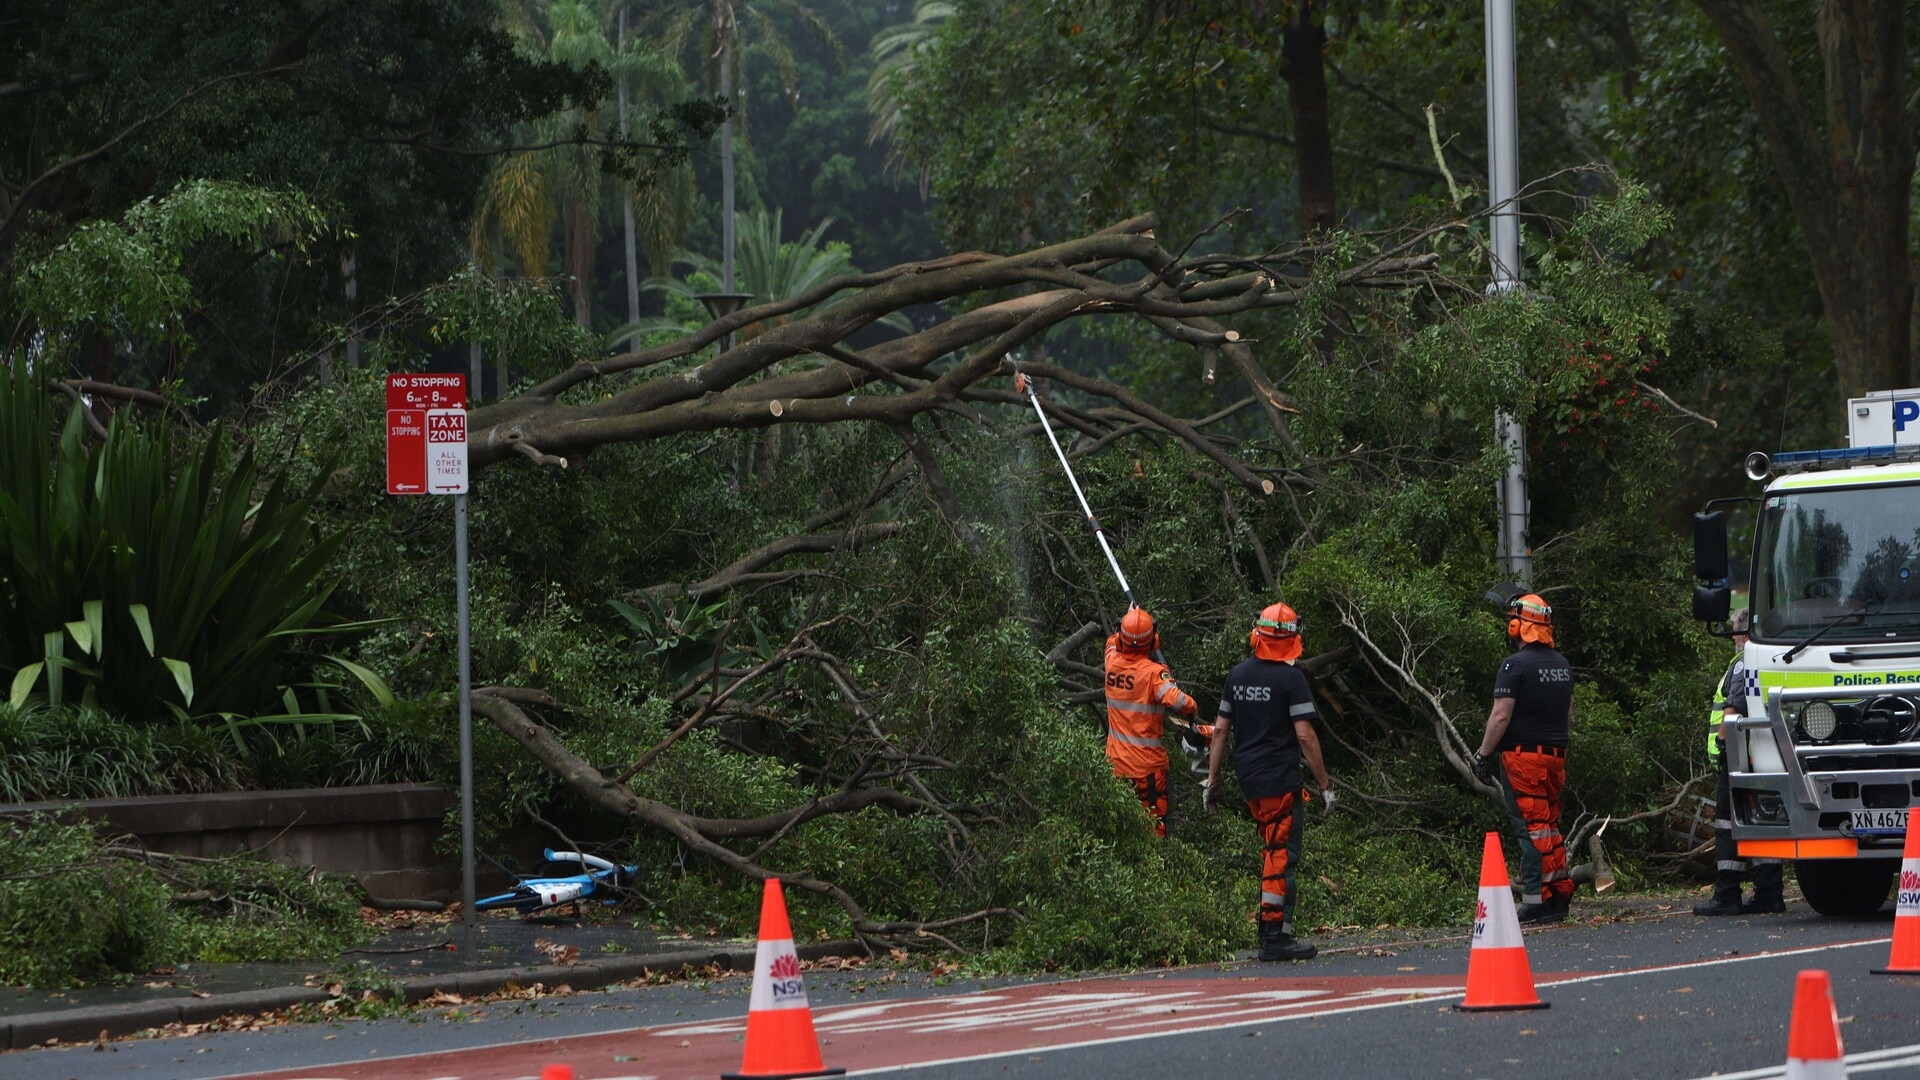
(72, 912)
(178, 587)
(77, 752)
(128, 277)
(1355, 875)
(523, 318)
(68, 916)
(263, 911)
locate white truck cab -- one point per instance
(1826, 761)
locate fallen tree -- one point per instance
(1365, 517)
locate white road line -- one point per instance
(1414, 996)
(1892, 1057)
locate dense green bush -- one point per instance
(68, 916)
(153, 580)
(73, 912)
(81, 752)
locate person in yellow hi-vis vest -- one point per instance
(1729, 869)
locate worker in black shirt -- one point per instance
(1266, 710)
(1527, 729)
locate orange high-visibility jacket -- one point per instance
(1140, 690)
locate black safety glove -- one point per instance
(1483, 768)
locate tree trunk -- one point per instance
(626, 204)
(579, 254)
(1303, 46)
(1849, 186)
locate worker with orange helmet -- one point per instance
(1266, 709)
(1525, 751)
(1140, 692)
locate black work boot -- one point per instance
(1719, 905)
(1726, 896)
(1537, 914)
(1767, 891)
(1277, 944)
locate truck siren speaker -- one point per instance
(1759, 466)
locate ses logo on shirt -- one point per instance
(1253, 693)
(1556, 674)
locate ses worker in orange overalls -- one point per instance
(1266, 711)
(1525, 747)
(1140, 691)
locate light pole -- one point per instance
(1503, 158)
(722, 304)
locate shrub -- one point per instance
(68, 916)
(74, 909)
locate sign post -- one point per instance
(427, 455)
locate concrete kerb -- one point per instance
(96, 1021)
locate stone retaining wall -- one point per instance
(382, 834)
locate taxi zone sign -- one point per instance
(426, 434)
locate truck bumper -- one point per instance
(1790, 803)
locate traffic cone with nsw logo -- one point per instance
(1906, 913)
(1498, 976)
(1813, 1042)
(781, 1044)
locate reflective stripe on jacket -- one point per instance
(1718, 712)
(1140, 691)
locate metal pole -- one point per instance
(726, 159)
(466, 721)
(1098, 532)
(1503, 157)
(474, 365)
(1503, 145)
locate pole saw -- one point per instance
(1193, 736)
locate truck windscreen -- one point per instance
(1825, 555)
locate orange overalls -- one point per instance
(1140, 690)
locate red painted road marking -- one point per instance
(891, 1034)
(903, 1034)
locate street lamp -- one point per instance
(722, 304)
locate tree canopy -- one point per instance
(818, 602)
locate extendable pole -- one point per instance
(1020, 381)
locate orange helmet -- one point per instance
(1276, 634)
(1530, 619)
(1136, 630)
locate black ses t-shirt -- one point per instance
(1263, 699)
(1540, 682)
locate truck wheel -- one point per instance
(1845, 888)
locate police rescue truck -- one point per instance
(1826, 759)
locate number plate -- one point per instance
(1879, 820)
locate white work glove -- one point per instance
(1209, 795)
(1328, 800)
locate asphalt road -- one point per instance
(1656, 997)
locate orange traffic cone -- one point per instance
(1813, 1042)
(557, 1072)
(1906, 913)
(780, 1040)
(1497, 973)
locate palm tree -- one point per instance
(897, 52)
(715, 26)
(530, 191)
(768, 268)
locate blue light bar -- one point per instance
(1840, 457)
